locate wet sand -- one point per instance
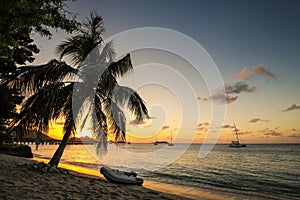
(19, 180)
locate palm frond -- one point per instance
(72, 47)
(94, 67)
(126, 96)
(137, 106)
(50, 103)
(32, 78)
(80, 46)
(93, 27)
(116, 119)
(121, 67)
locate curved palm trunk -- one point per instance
(60, 150)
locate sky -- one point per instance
(254, 44)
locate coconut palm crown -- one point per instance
(92, 79)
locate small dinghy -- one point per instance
(116, 176)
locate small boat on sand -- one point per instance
(116, 176)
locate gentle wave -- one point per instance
(270, 171)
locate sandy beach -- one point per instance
(18, 180)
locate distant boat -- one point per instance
(161, 142)
(237, 142)
(155, 143)
(171, 143)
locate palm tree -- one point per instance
(53, 85)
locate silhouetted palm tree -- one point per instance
(53, 85)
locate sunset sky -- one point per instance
(255, 45)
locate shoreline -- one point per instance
(18, 180)
(178, 190)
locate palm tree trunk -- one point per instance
(60, 150)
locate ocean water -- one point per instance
(268, 170)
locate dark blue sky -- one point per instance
(235, 33)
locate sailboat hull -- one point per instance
(237, 145)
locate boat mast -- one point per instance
(237, 135)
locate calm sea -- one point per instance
(269, 170)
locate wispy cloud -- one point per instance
(136, 122)
(243, 74)
(295, 134)
(227, 126)
(231, 93)
(222, 99)
(239, 87)
(202, 126)
(261, 70)
(271, 132)
(255, 120)
(244, 132)
(292, 107)
(256, 71)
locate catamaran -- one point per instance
(237, 142)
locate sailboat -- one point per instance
(171, 143)
(155, 143)
(237, 142)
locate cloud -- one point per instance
(257, 70)
(270, 132)
(202, 126)
(296, 133)
(292, 107)
(239, 87)
(243, 74)
(231, 93)
(254, 120)
(244, 132)
(227, 126)
(261, 70)
(223, 99)
(136, 122)
(273, 133)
